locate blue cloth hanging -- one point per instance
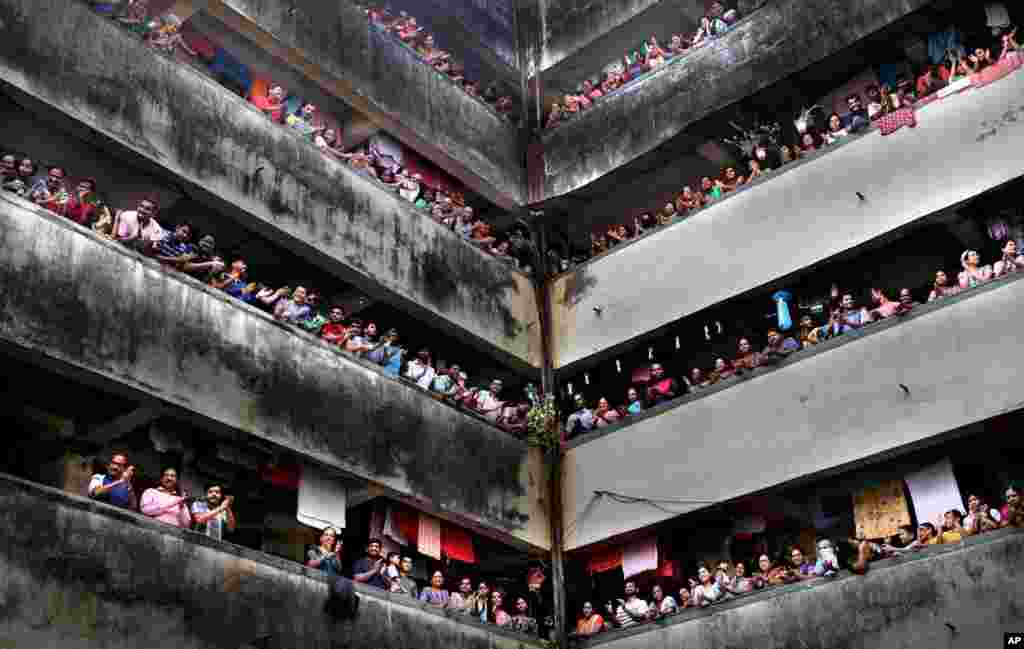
(782, 299)
(231, 68)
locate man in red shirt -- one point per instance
(335, 330)
(81, 207)
(659, 388)
(272, 104)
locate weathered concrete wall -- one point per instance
(92, 305)
(783, 38)
(570, 25)
(581, 36)
(271, 180)
(77, 574)
(801, 215)
(827, 406)
(334, 44)
(481, 23)
(964, 596)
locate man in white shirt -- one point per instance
(630, 611)
(421, 370)
(487, 402)
(138, 229)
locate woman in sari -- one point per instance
(973, 275)
(604, 414)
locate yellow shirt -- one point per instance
(951, 537)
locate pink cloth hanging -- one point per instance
(640, 556)
(429, 537)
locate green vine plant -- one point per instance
(543, 425)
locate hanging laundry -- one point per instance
(934, 491)
(428, 541)
(230, 71)
(391, 528)
(322, 499)
(996, 16)
(457, 544)
(604, 559)
(940, 44)
(640, 556)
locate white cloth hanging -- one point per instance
(429, 537)
(997, 15)
(640, 556)
(934, 491)
(322, 499)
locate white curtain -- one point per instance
(322, 499)
(934, 491)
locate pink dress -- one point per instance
(1011, 56)
(165, 507)
(970, 279)
(886, 310)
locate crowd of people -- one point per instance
(213, 515)
(447, 208)
(649, 56)
(393, 573)
(844, 316)
(445, 205)
(181, 249)
(727, 581)
(528, 612)
(411, 33)
(768, 155)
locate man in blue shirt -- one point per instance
(115, 486)
(214, 515)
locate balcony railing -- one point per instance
(813, 207)
(888, 387)
(72, 567)
(113, 315)
(272, 181)
(751, 56)
(970, 585)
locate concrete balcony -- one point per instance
(899, 384)
(80, 68)
(961, 596)
(781, 39)
(86, 575)
(333, 44)
(93, 310)
(803, 214)
(565, 27)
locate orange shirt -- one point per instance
(590, 626)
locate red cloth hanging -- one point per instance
(669, 568)
(457, 543)
(605, 559)
(282, 476)
(433, 176)
(408, 523)
(894, 121)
